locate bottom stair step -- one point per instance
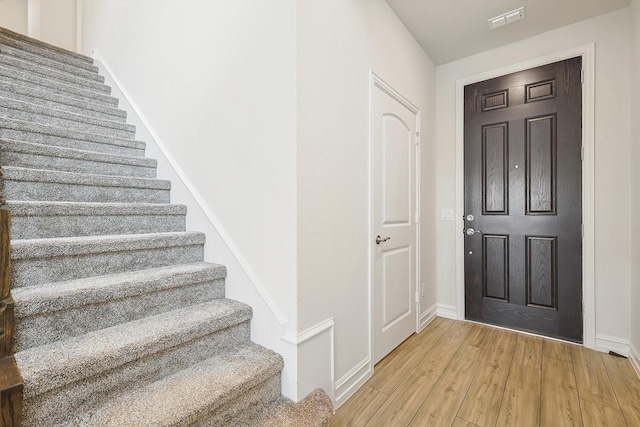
(315, 410)
(212, 392)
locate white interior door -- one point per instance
(394, 193)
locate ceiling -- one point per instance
(452, 29)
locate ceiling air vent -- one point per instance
(506, 18)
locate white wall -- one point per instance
(58, 22)
(338, 43)
(612, 148)
(13, 15)
(635, 183)
(217, 81)
(52, 21)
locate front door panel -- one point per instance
(523, 181)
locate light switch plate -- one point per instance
(446, 215)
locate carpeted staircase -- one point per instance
(118, 320)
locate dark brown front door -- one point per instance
(523, 199)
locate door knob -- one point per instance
(381, 240)
(470, 231)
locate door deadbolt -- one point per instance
(470, 218)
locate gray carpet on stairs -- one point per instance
(119, 321)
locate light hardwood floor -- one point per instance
(464, 374)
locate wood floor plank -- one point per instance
(560, 404)
(397, 352)
(521, 401)
(557, 350)
(436, 360)
(626, 386)
(592, 378)
(528, 351)
(596, 415)
(432, 333)
(402, 405)
(480, 335)
(482, 402)
(459, 422)
(440, 323)
(387, 378)
(359, 409)
(442, 404)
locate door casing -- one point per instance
(377, 82)
(587, 52)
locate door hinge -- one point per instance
(582, 229)
(582, 152)
(582, 75)
(417, 296)
(416, 218)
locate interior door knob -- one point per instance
(470, 231)
(381, 240)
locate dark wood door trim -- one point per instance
(587, 52)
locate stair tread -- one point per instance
(315, 410)
(188, 395)
(50, 297)
(23, 65)
(105, 349)
(44, 46)
(9, 46)
(15, 74)
(75, 153)
(58, 114)
(68, 246)
(12, 173)
(30, 127)
(36, 93)
(33, 208)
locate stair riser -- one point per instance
(77, 125)
(41, 83)
(61, 192)
(71, 142)
(7, 47)
(37, 161)
(62, 103)
(58, 405)
(39, 330)
(247, 404)
(30, 227)
(53, 53)
(52, 74)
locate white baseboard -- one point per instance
(427, 317)
(448, 311)
(350, 383)
(634, 357)
(607, 343)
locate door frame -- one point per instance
(587, 52)
(376, 81)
